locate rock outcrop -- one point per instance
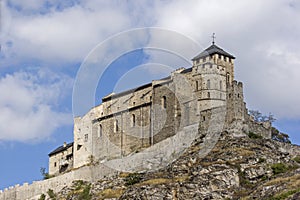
(236, 168)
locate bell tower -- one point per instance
(213, 72)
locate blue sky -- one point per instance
(44, 44)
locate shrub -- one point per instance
(279, 168)
(132, 179)
(85, 194)
(280, 137)
(297, 159)
(261, 160)
(254, 136)
(51, 194)
(42, 197)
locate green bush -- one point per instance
(279, 168)
(254, 136)
(132, 179)
(261, 160)
(51, 194)
(42, 197)
(85, 194)
(297, 159)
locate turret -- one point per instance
(213, 72)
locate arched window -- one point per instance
(133, 120)
(100, 131)
(164, 102)
(208, 84)
(116, 126)
(221, 85)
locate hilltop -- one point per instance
(244, 167)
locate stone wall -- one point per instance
(33, 191)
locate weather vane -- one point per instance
(213, 37)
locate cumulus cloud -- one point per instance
(263, 35)
(27, 105)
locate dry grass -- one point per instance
(293, 182)
(158, 181)
(110, 193)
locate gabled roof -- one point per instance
(60, 149)
(213, 49)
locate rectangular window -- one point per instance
(86, 137)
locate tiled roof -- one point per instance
(60, 149)
(213, 49)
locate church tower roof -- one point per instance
(213, 49)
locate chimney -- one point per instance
(65, 144)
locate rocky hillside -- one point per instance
(246, 167)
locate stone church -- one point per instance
(131, 121)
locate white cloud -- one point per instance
(66, 35)
(263, 35)
(27, 105)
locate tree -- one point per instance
(280, 137)
(44, 173)
(256, 115)
(271, 118)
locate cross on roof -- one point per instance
(213, 37)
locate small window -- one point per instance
(197, 85)
(116, 126)
(164, 102)
(100, 131)
(133, 103)
(225, 58)
(208, 84)
(54, 164)
(219, 55)
(227, 77)
(86, 137)
(238, 95)
(203, 118)
(132, 120)
(208, 95)
(220, 85)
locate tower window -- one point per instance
(203, 118)
(208, 95)
(164, 102)
(55, 164)
(208, 84)
(100, 131)
(86, 137)
(132, 120)
(197, 85)
(116, 126)
(227, 77)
